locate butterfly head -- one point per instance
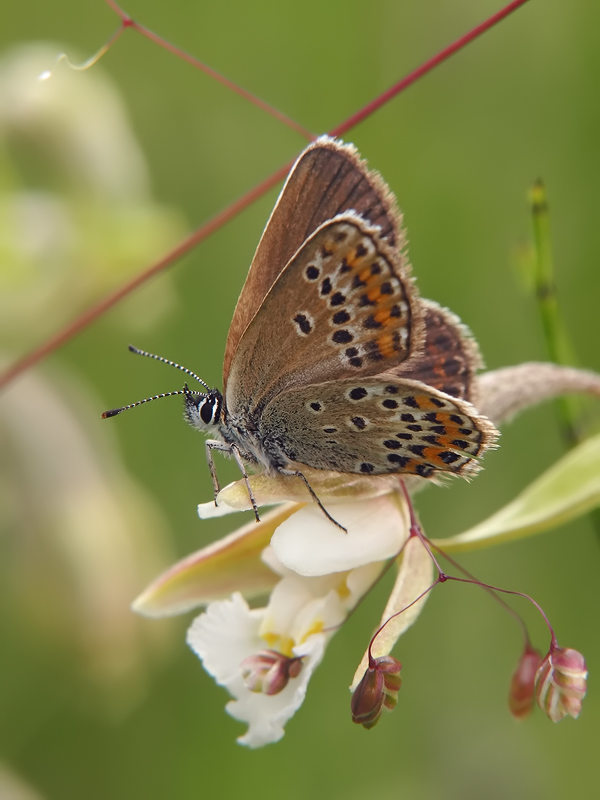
(203, 409)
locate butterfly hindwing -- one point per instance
(376, 426)
(328, 178)
(449, 358)
(343, 306)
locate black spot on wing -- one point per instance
(303, 323)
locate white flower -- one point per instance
(301, 616)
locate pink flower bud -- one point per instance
(522, 685)
(377, 690)
(269, 671)
(560, 683)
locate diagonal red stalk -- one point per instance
(127, 22)
(213, 224)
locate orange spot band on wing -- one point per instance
(425, 403)
(382, 315)
(385, 344)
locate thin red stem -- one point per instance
(492, 593)
(414, 76)
(444, 578)
(397, 614)
(91, 314)
(154, 37)
(508, 591)
(415, 527)
(83, 320)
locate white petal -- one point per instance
(294, 597)
(322, 614)
(225, 635)
(360, 581)
(210, 510)
(311, 545)
(270, 559)
(287, 599)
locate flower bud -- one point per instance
(560, 683)
(522, 685)
(378, 689)
(269, 671)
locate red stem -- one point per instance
(87, 317)
(397, 614)
(509, 591)
(425, 68)
(493, 594)
(154, 37)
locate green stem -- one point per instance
(557, 342)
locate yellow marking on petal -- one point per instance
(272, 639)
(316, 627)
(285, 646)
(343, 590)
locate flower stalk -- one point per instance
(558, 682)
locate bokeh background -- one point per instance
(103, 171)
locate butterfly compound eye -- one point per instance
(206, 409)
(209, 408)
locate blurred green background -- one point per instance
(459, 149)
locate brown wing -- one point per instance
(343, 306)
(378, 425)
(450, 356)
(327, 179)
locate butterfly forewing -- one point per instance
(326, 180)
(376, 427)
(343, 306)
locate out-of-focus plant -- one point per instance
(79, 536)
(76, 212)
(13, 787)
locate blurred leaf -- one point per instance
(568, 489)
(230, 564)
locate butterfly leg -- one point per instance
(229, 449)
(296, 473)
(238, 460)
(210, 445)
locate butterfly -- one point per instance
(332, 360)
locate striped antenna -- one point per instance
(114, 411)
(189, 372)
